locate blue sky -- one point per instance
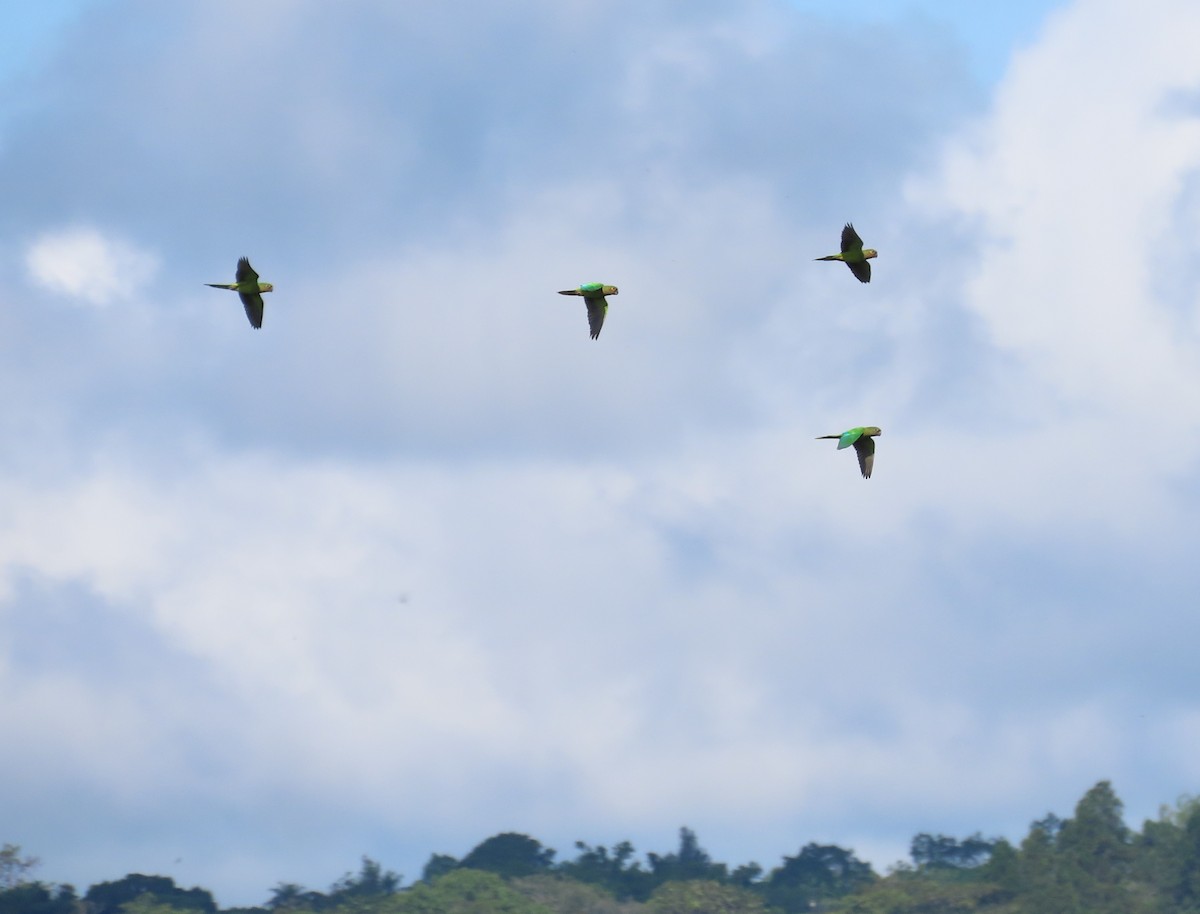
(419, 562)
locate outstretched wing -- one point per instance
(850, 240)
(865, 448)
(253, 303)
(245, 273)
(597, 308)
(861, 270)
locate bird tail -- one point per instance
(570, 292)
(819, 437)
(221, 285)
(830, 257)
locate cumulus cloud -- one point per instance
(84, 264)
(420, 562)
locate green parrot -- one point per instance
(853, 255)
(593, 296)
(249, 290)
(863, 439)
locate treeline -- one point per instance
(1091, 863)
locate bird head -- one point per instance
(869, 253)
(266, 287)
(608, 290)
(872, 431)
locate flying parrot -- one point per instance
(863, 439)
(249, 290)
(593, 296)
(853, 255)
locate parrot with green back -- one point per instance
(597, 305)
(249, 290)
(854, 255)
(863, 439)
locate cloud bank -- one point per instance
(420, 562)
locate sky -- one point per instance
(419, 562)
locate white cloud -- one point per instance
(636, 592)
(85, 264)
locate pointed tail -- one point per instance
(570, 292)
(221, 285)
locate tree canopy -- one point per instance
(1089, 863)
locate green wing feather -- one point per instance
(851, 243)
(849, 437)
(253, 303)
(245, 272)
(597, 309)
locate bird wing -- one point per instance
(597, 308)
(245, 272)
(850, 240)
(865, 448)
(861, 270)
(253, 303)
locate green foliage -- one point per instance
(1091, 863)
(372, 881)
(570, 896)
(15, 869)
(617, 872)
(36, 898)
(108, 897)
(288, 896)
(703, 896)
(1166, 863)
(689, 862)
(510, 855)
(438, 865)
(944, 852)
(819, 872)
(909, 893)
(465, 891)
(149, 904)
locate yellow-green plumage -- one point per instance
(863, 439)
(249, 290)
(854, 255)
(597, 305)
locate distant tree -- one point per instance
(148, 904)
(288, 896)
(1183, 882)
(15, 869)
(464, 891)
(1095, 853)
(617, 871)
(372, 881)
(942, 851)
(510, 855)
(690, 861)
(819, 872)
(438, 865)
(703, 896)
(1002, 869)
(107, 897)
(910, 892)
(1038, 873)
(570, 896)
(36, 898)
(746, 875)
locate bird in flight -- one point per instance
(249, 290)
(854, 255)
(863, 439)
(597, 305)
